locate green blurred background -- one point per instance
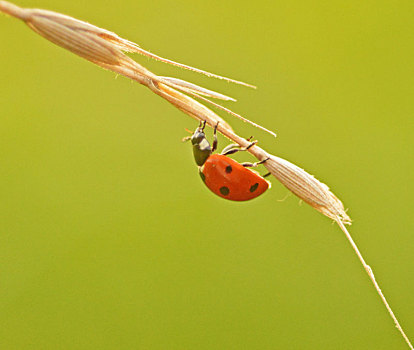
(108, 238)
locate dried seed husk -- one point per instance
(307, 188)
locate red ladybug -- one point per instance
(223, 175)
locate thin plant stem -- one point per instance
(374, 281)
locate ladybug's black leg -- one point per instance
(266, 175)
(250, 145)
(229, 148)
(253, 165)
(233, 148)
(215, 142)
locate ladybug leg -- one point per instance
(250, 145)
(234, 147)
(266, 175)
(253, 165)
(229, 148)
(215, 142)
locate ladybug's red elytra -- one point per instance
(222, 175)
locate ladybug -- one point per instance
(222, 175)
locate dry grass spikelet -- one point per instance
(105, 49)
(308, 188)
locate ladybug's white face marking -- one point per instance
(204, 144)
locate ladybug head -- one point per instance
(199, 134)
(201, 147)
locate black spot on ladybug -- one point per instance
(229, 169)
(224, 190)
(203, 177)
(254, 187)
